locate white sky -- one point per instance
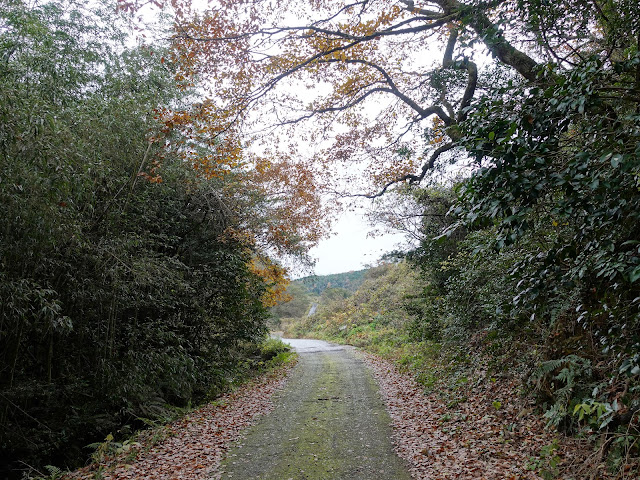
(351, 248)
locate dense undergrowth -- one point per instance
(176, 443)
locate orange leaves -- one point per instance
(348, 90)
(272, 202)
(262, 165)
(274, 276)
(437, 134)
(153, 176)
(197, 137)
(292, 193)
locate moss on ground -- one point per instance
(329, 423)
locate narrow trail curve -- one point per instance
(329, 423)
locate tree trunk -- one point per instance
(493, 38)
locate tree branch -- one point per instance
(448, 51)
(492, 38)
(393, 89)
(431, 162)
(413, 179)
(466, 64)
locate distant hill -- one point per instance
(319, 283)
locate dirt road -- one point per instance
(329, 423)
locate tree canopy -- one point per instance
(384, 86)
(538, 101)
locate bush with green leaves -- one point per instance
(560, 164)
(477, 294)
(542, 238)
(541, 244)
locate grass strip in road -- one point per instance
(329, 423)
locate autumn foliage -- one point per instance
(343, 81)
(291, 217)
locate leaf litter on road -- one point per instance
(487, 432)
(192, 447)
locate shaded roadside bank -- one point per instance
(192, 447)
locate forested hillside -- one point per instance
(317, 284)
(380, 305)
(302, 294)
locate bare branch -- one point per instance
(451, 43)
(410, 7)
(340, 11)
(338, 108)
(393, 89)
(412, 179)
(432, 161)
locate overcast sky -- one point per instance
(350, 248)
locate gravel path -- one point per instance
(328, 423)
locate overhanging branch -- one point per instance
(412, 179)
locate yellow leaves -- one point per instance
(437, 131)
(349, 86)
(397, 168)
(331, 47)
(262, 165)
(339, 55)
(275, 277)
(358, 80)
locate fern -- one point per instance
(572, 372)
(54, 473)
